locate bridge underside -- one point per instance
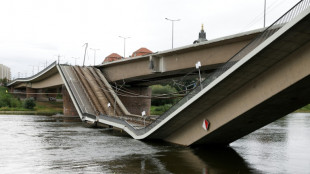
(279, 105)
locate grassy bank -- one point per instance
(12, 105)
(41, 108)
(304, 109)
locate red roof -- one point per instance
(112, 57)
(140, 52)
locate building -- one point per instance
(112, 57)
(140, 52)
(5, 72)
(201, 37)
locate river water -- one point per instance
(41, 144)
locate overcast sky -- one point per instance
(33, 32)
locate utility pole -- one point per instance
(172, 21)
(94, 49)
(124, 43)
(74, 59)
(32, 69)
(58, 57)
(86, 45)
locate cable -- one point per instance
(162, 96)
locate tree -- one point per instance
(4, 81)
(29, 103)
(163, 95)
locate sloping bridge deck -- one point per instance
(280, 41)
(94, 96)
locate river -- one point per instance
(41, 144)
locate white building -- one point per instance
(5, 72)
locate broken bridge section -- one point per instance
(95, 98)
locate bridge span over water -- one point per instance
(267, 79)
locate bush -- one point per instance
(29, 103)
(8, 100)
(15, 103)
(4, 97)
(159, 90)
(159, 110)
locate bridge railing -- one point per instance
(278, 24)
(33, 76)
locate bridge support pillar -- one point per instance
(69, 109)
(136, 105)
(30, 92)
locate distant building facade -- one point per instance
(5, 72)
(202, 36)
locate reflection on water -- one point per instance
(280, 147)
(39, 144)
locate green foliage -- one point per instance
(7, 99)
(15, 103)
(59, 96)
(159, 110)
(29, 103)
(4, 81)
(159, 90)
(304, 109)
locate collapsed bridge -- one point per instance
(247, 89)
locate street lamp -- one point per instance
(264, 13)
(94, 49)
(172, 21)
(124, 43)
(86, 45)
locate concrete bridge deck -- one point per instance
(171, 64)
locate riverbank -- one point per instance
(305, 109)
(41, 108)
(27, 113)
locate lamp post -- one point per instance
(94, 49)
(86, 45)
(124, 43)
(264, 13)
(172, 21)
